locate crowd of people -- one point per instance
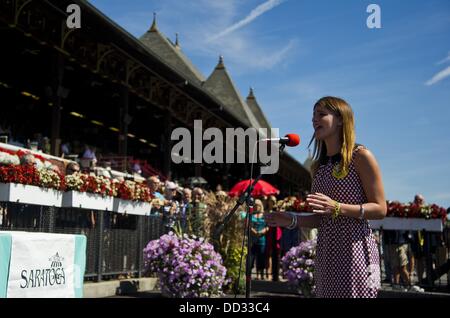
(196, 211)
(404, 255)
(270, 244)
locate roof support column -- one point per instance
(124, 121)
(167, 145)
(198, 169)
(57, 92)
(225, 178)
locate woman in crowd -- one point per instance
(258, 235)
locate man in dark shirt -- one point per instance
(399, 261)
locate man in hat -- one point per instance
(171, 208)
(186, 206)
(197, 214)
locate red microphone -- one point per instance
(290, 140)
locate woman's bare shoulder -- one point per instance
(364, 157)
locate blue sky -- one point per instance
(292, 52)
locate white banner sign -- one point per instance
(42, 265)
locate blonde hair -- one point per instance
(259, 202)
(343, 110)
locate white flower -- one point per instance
(74, 181)
(7, 159)
(49, 178)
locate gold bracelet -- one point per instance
(337, 209)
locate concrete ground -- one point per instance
(146, 288)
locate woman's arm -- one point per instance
(310, 221)
(370, 175)
(264, 231)
(284, 219)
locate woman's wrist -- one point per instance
(337, 210)
(357, 211)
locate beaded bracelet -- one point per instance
(293, 224)
(337, 210)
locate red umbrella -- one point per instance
(261, 188)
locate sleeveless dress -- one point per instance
(347, 256)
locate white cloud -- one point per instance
(242, 55)
(278, 56)
(439, 76)
(442, 74)
(447, 59)
(259, 10)
(197, 21)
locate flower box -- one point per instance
(412, 224)
(85, 200)
(131, 207)
(27, 194)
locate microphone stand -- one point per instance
(246, 197)
(243, 198)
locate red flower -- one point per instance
(28, 175)
(412, 210)
(19, 174)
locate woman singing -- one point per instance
(347, 190)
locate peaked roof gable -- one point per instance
(257, 111)
(170, 53)
(220, 84)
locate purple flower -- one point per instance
(186, 266)
(298, 266)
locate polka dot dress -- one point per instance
(347, 260)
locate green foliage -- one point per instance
(232, 262)
(178, 229)
(230, 241)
